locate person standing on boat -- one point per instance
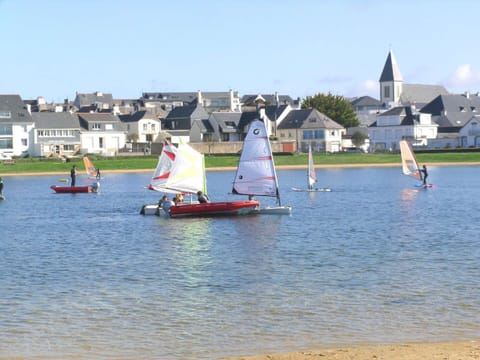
(201, 197)
(424, 173)
(73, 174)
(1, 186)
(98, 173)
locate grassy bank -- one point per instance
(150, 162)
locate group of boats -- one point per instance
(182, 170)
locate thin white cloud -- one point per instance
(465, 77)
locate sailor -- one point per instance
(1, 186)
(201, 197)
(424, 173)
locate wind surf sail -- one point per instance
(89, 168)
(409, 162)
(256, 173)
(311, 174)
(164, 166)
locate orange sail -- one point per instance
(409, 162)
(89, 168)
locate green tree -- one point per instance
(358, 138)
(336, 107)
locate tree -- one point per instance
(358, 138)
(335, 107)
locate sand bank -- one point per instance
(425, 351)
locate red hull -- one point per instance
(214, 209)
(71, 189)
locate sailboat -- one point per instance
(160, 177)
(410, 164)
(256, 173)
(311, 176)
(187, 176)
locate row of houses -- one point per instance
(216, 122)
(97, 129)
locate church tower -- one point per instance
(391, 81)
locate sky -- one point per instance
(56, 48)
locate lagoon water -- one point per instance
(375, 260)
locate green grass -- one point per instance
(150, 162)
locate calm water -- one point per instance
(86, 276)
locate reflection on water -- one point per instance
(375, 260)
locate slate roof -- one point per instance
(391, 72)
(53, 120)
(453, 110)
(14, 105)
(420, 94)
(366, 101)
(205, 126)
(181, 112)
(136, 116)
(299, 119)
(228, 122)
(269, 99)
(90, 99)
(404, 112)
(98, 117)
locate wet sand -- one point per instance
(426, 351)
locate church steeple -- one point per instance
(391, 81)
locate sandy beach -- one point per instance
(429, 351)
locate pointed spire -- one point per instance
(391, 72)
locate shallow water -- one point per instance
(375, 260)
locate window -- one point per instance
(230, 124)
(5, 129)
(5, 114)
(386, 91)
(24, 142)
(68, 147)
(6, 144)
(312, 120)
(96, 126)
(108, 126)
(144, 127)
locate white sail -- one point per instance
(164, 166)
(187, 174)
(409, 162)
(256, 169)
(311, 174)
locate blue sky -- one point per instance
(55, 48)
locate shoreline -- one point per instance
(232, 168)
(461, 350)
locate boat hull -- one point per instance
(222, 208)
(71, 189)
(274, 210)
(151, 209)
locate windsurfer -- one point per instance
(97, 174)
(424, 172)
(1, 186)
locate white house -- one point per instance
(16, 124)
(101, 133)
(401, 123)
(470, 133)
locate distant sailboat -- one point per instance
(410, 165)
(256, 173)
(311, 176)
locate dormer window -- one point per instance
(462, 109)
(96, 126)
(312, 120)
(472, 109)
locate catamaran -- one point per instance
(410, 164)
(311, 176)
(256, 173)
